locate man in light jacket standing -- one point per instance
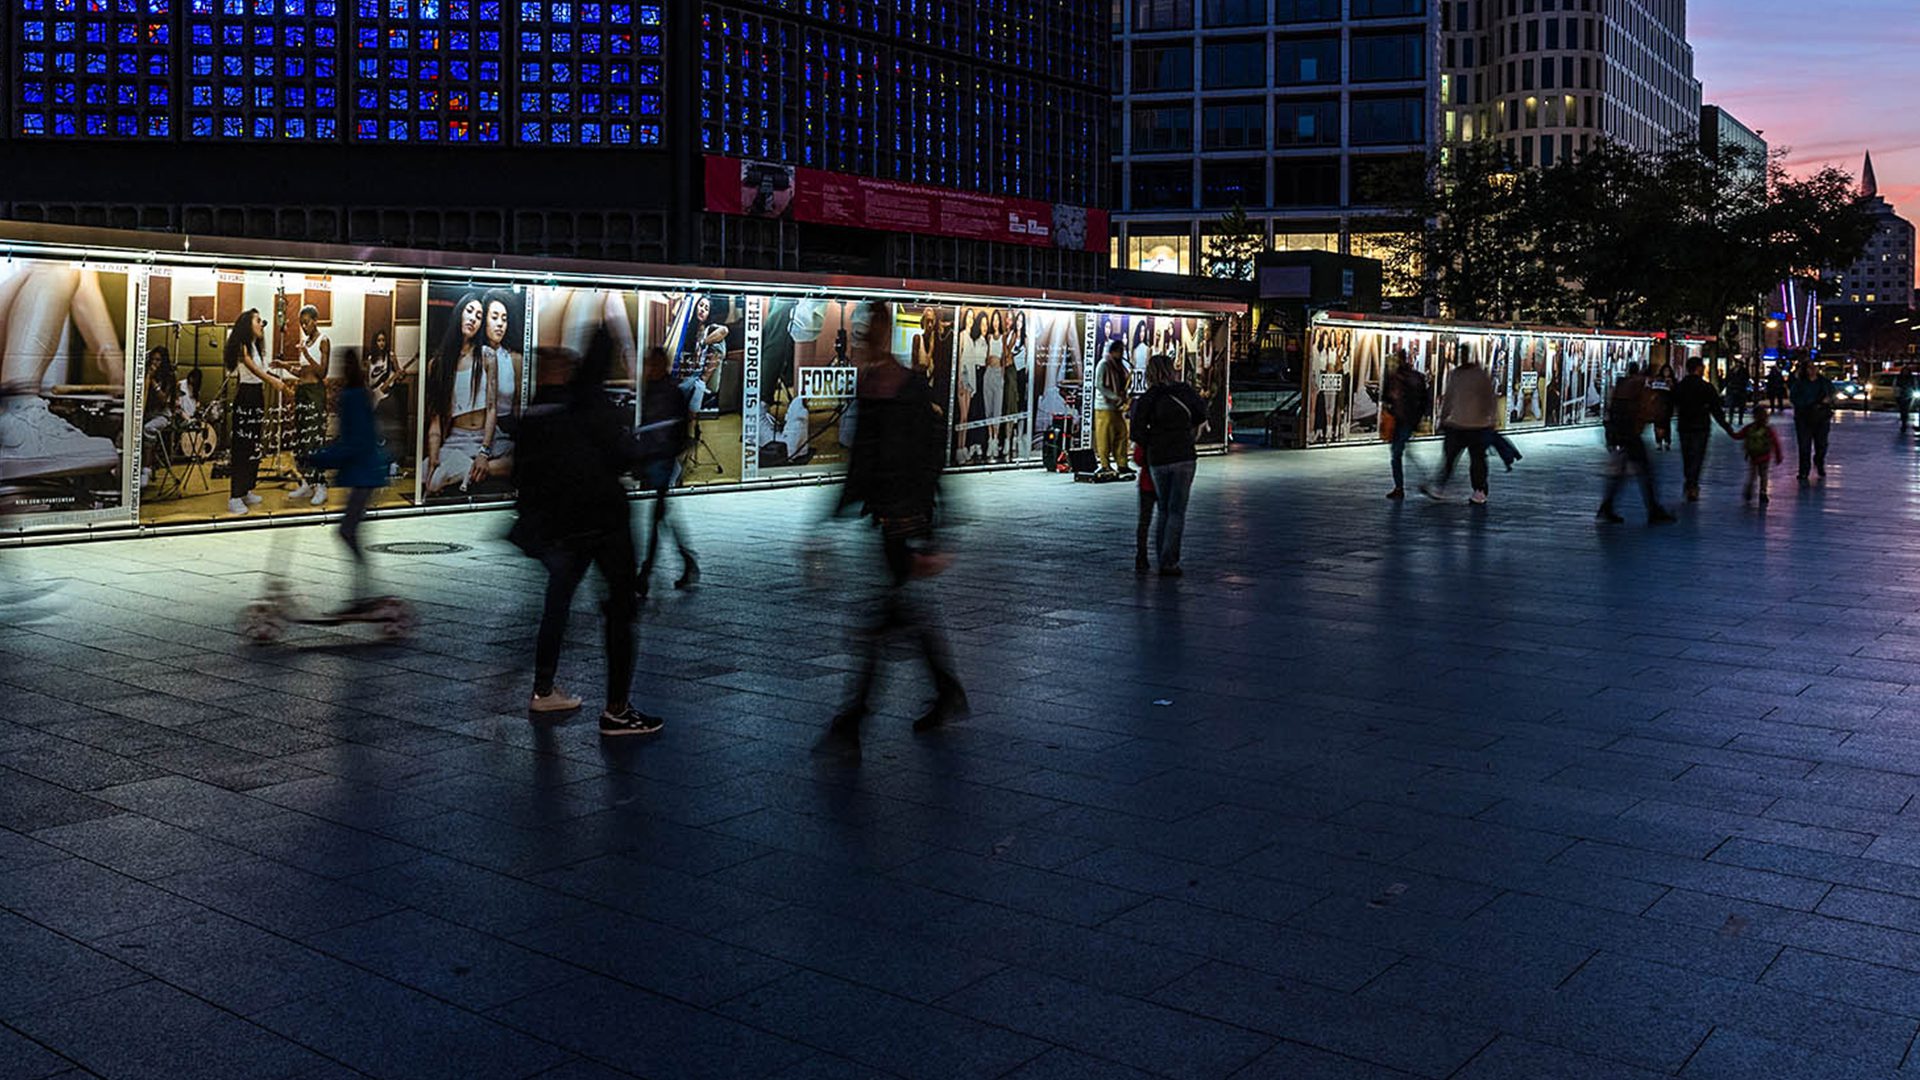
(1467, 417)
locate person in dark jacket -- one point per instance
(1739, 387)
(1166, 421)
(1408, 400)
(360, 466)
(1776, 389)
(571, 450)
(1696, 407)
(893, 477)
(1812, 395)
(1660, 397)
(666, 423)
(1627, 415)
(1906, 388)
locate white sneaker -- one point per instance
(237, 507)
(252, 499)
(300, 492)
(34, 442)
(319, 494)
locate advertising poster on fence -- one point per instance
(1059, 377)
(473, 390)
(993, 378)
(63, 423)
(706, 340)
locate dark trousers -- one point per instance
(660, 475)
(1474, 442)
(1402, 434)
(1633, 459)
(903, 609)
(567, 564)
(1737, 408)
(1144, 524)
(1693, 454)
(1906, 408)
(358, 500)
(249, 413)
(1811, 433)
(1503, 446)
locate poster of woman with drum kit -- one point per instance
(63, 371)
(705, 337)
(473, 389)
(193, 406)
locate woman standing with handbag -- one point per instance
(1166, 421)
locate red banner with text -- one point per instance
(772, 190)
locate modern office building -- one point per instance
(1316, 115)
(570, 127)
(1720, 131)
(1865, 300)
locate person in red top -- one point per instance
(1762, 447)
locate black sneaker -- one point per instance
(1660, 516)
(1607, 515)
(690, 578)
(628, 720)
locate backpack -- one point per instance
(1755, 441)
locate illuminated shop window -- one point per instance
(99, 69)
(429, 71)
(263, 69)
(588, 72)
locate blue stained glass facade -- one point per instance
(263, 69)
(999, 96)
(429, 71)
(589, 72)
(99, 69)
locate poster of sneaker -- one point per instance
(705, 336)
(64, 330)
(221, 441)
(473, 391)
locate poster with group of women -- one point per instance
(1540, 378)
(175, 394)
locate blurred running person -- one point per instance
(1627, 415)
(666, 424)
(1468, 413)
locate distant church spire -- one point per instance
(1868, 185)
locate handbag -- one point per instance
(1387, 424)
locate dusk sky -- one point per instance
(1826, 81)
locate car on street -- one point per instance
(1851, 394)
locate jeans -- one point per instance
(358, 499)
(1693, 454)
(1402, 434)
(1171, 485)
(1635, 459)
(1474, 442)
(567, 564)
(1811, 433)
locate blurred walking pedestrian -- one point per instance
(1167, 419)
(1812, 395)
(1776, 389)
(1468, 414)
(1906, 387)
(1407, 403)
(1761, 446)
(1739, 385)
(1696, 404)
(1660, 390)
(893, 477)
(1627, 414)
(360, 465)
(666, 425)
(571, 449)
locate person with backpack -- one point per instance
(1166, 422)
(666, 424)
(1761, 446)
(571, 450)
(1407, 403)
(1627, 414)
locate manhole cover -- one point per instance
(418, 547)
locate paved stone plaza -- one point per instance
(1377, 790)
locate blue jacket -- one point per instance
(356, 456)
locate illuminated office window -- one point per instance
(98, 69)
(588, 72)
(263, 69)
(429, 71)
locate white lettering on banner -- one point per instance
(750, 393)
(1331, 381)
(1529, 381)
(1088, 391)
(827, 383)
(136, 407)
